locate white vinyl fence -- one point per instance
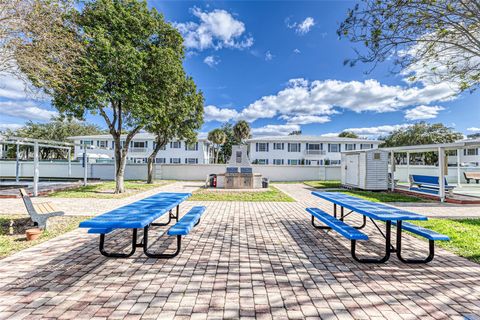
(105, 171)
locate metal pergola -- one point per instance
(37, 144)
(440, 148)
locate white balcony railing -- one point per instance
(315, 152)
(137, 150)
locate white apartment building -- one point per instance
(176, 152)
(304, 150)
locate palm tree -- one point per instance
(348, 134)
(217, 137)
(241, 131)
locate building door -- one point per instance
(351, 174)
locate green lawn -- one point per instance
(324, 184)
(381, 196)
(104, 190)
(273, 194)
(464, 236)
(16, 240)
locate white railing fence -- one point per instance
(105, 171)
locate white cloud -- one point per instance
(211, 61)
(302, 27)
(275, 130)
(442, 62)
(377, 131)
(325, 97)
(305, 26)
(26, 110)
(297, 51)
(473, 129)
(11, 126)
(212, 113)
(423, 112)
(305, 119)
(331, 134)
(12, 87)
(216, 29)
(268, 56)
(202, 135)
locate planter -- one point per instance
(33, 234)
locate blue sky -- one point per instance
(280, 66)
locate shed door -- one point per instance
(352, 169)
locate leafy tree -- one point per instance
(181, 116)
(218, 138)
(42, 25)
(295, 133)
(58, 129)
(241, 131)
(422, 133)
(348, 134)
(123, 42)
(226, 148)
(474, 135)
(438, 39)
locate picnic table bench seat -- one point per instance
(188, 221)
(143, 214)
(345, 230)
(375, 211)
(430, 235)
(181, 228)
(99, 230)
(339, 226)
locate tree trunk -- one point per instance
(159, 143)
(120, 162)
(216, 155)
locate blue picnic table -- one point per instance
(142, 214)
(374, 211)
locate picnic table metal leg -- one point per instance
(364, 223)
(342, 211)
(159, 255)
(388, 235)
(319, 227)
(162, 224)
(115, 254)
(335, 210)
(431, 248)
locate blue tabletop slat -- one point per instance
(137, 214)
(374, 210)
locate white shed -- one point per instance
(365, 169)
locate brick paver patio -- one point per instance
(251, 260)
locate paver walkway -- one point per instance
(249, 260)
